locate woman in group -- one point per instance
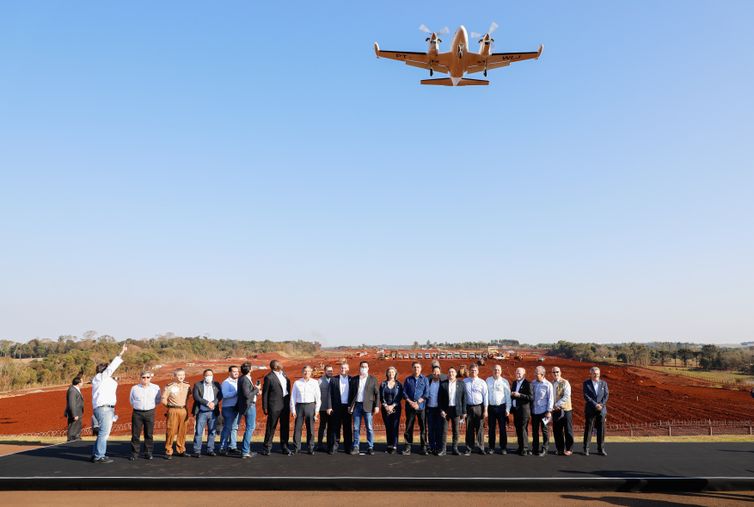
(391, 394)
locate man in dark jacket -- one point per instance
(324, 408)
(521, 408)
(595, 411)
(276, 400)
(453, 408)
(365, 403)
(247, 407)
(74, 409)
(340, 399)
(207, 395)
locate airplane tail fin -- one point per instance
(446, 81)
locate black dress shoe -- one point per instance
(467, 452)
(311, 452)
(288, 452)
(181, 454)
(370, 451)
(147, 456)
(331, 452)
(424, 451)
(491, 450)
(265, 452)
(196, 455)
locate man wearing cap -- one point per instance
(145, 396)
(175, 397)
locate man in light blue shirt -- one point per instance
(438, 426)
(499, 393)
(541, 410)
(477, 401)
(229, 435)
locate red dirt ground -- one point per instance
(637, 395)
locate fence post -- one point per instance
(710, 430)
(670, 429)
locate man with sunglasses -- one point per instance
(562, 413)
(145, 396)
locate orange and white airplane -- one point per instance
(459, 60)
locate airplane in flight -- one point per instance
(460, 59)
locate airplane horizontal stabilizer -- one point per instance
(446, 81)
(442, 81)
(472, 82)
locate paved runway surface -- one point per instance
(635, 466)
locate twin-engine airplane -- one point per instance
(459, 60)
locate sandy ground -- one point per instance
(369, 499)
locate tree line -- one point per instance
(689, 355)
(49, 362)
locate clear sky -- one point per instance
(252, 171)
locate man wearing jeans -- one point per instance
(247, 408)
(364, 404)
(228, 438)
(103, 403)
(207, 395)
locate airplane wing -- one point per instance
(497, 60)
(412, 58)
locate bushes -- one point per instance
(58, 362)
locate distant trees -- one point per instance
(57, 362)
(706, 357)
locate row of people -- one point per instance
(340, 404)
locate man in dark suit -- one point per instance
(247, 407)
(207, 395)
(365, 403)
(74, 409)
(276, 401)
(340, 398)
(324, 417)
(595, 411)
(521, 408)
(453, 408)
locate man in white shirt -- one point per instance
(276, 400)
(305, 401)
(145, 396)
(500, 406)
(104, 387)
(477, 401)
(365, 404)
(229, 410)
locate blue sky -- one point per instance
(252, 171)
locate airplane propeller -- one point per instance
(424, 28)
(494, 26)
